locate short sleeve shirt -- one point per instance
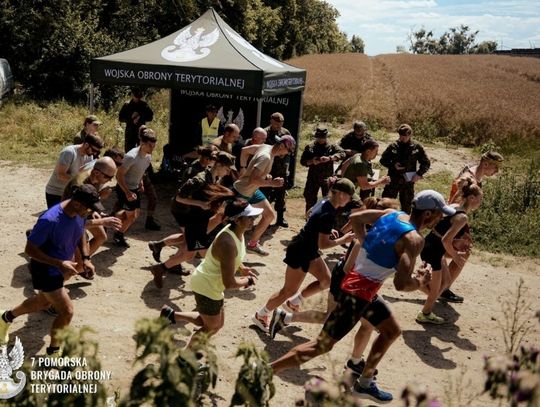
(70, 157)
(262, 160)
(135, 165)
(358, 168)
(321, 220)
(57, 235)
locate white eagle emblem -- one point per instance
(188, 47)
(238, 120)
(8, 388)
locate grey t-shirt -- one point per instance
(135, 165)
(262, 160)
(71, 157)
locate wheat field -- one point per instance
(467, 99)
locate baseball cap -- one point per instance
(344, 185)
(89, 197)
(288, 141)
(432, 200)
(90, 119)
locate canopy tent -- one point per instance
(207, 62)
(207, 55)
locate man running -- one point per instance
(389, 248)
(51, 246)
(257, 175)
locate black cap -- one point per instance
(89, 197)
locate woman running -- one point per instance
(303, 254)
(217, 272)
(450, 238)
(204, 196)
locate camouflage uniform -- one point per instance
(350, 142)
(407, 155)
(318, 174)
(280, 169)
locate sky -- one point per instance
(385, 24)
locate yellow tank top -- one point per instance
(209, 131)
(207, 279)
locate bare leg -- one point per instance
(210, 326)
(293, 280)
(99, 236)
(434, 291)
(34, 304)
(130, 217)
(310, 317)
(191, 317)
(319, 270)
(268, 216)
(304, 352)
(361, 339)
(389, 331)
(63, 305)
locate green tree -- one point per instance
(357, 44)
(458, 40)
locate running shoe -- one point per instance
(257, 249)
(357, 368)
(157, 271)
(120, 240)
(372, 393)
(431, 318)
(4, 328)
(178, 270)
(448, 296)
(277, 322)
(155, 248)
(291, 307)
(168, 313)
(261, 322)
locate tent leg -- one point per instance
(91, 99)
(259, 111)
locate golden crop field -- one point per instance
(469, 99)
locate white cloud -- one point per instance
(515, 23)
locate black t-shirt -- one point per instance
(321, 220)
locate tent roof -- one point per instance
(206, 55)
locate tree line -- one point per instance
(50, 44)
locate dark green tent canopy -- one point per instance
(206, 55)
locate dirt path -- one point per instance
(442, 357)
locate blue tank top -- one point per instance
(381, 238)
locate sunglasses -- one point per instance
(106, 176)
(95, 150)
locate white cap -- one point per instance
(250, 211)
(432, 200)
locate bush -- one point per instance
(509, 219)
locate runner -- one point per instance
(51, 246)
(205, 196)
(217, 272)
(303, 254)
(390, 247)
(449, 238)
(257, 175)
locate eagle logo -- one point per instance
(238, 120)
(190, 47)
(9, 363)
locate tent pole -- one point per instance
(91, 99)
(259, 111)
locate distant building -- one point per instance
(520, 52)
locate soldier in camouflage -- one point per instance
(319, 156)
(407, 163)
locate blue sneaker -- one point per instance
(372, 393)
